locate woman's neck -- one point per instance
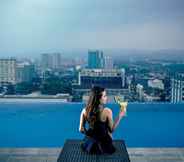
(101, 106)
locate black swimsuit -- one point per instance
(97, 139)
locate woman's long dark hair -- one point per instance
(92, 108)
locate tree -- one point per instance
(54, 85)
(23, 88)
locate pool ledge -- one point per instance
(140, 154)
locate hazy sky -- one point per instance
(53, 25)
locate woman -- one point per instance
(98, 136)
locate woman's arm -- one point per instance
(82, 128)
(113, 125)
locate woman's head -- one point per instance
(97, 97)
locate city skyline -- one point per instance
(145, 80)
(29, 27)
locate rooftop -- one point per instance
(51, 154)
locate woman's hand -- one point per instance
(123, 107)
(121, 113)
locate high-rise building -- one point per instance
(177, 88)
(108, 62)
(167, 87)
(46, 61)
(8, 71)
(109, 78)
(140, 92)
(113, 80)
(95, 59)
(56, 61)
(51, 61)
(25, 72)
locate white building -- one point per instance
(177, 89)
(156, 83)
(148, 98)
(8, 71)
(108, 62)
(140, 92)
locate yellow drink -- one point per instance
(123, 104)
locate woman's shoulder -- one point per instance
(83, 111)
(107, 110)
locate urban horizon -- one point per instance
(138, 78)
(167, 54)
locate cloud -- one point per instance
(38, 24)
(143, 36)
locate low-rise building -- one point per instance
(8, 71)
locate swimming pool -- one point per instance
(49, 124)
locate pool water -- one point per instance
(34, 124)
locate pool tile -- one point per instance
(26, 159)
(4, 158)
(5, 151)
